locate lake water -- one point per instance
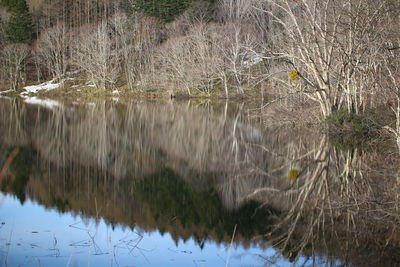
(191, 183)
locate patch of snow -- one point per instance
(256, 59)
(115, 92)
(48, 103)
(72, 72)
(47, 86)
(115, 99)
(251, 60)
(91, 85)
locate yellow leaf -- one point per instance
(293, 174)
(294, 76)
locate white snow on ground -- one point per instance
(73, 72)
(251, 60)
(48, 103)
(46, 86)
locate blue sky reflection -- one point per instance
(32, 235)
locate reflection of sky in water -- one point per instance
(35, 236)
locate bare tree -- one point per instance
(331, 45)
(136, 39)
(236, 43)
(191, 62)
(13, 61)
(391, 66)
(53, 50)
(2, 32)
(96, 53)
(2, 43)
(234, 10)
(210, 56)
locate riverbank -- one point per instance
(346, 130)
(90, 92)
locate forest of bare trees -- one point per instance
(332, 54)
(294, 67)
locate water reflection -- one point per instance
(203, 171)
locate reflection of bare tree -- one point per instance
(122, 139)
(339, 205)
(13, 134)
(95, 137)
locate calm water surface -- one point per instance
(188, 184)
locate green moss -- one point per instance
(349, 130)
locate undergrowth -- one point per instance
(348, 130)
